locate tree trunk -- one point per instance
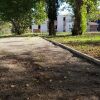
(51, 27)
(78, 28)
(77, 24)
(52, 6)
(16, 28)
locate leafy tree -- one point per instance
(81, 9)
(39, 13)
(5, 27)
(94, 11)
(18, 12)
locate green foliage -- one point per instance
(5, 28)
(13, 9)
(92, 9)
(84, 18)
(95, 15)
(39, 13)
(18, 12)
(83, 10)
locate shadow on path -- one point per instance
(21, 78)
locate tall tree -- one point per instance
(18, 12)
(80, 15)
(81, 9)
(52, 6)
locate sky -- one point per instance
(64, 9)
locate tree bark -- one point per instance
(16, 28)
(77, 28)
(52, 6)
(52, 27)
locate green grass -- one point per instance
(28, 34)
(83, 38)
(88, 43)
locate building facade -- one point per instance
(64, 24)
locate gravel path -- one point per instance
(34, 69)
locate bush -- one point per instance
(5, 28)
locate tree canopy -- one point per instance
(18, 12)
(39, 12)
(82, 9)
(21, 12)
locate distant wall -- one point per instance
(64, 24)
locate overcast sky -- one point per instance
(64, 9)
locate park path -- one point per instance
(35, 69)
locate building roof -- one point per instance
(93, 23)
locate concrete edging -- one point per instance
(85, 56)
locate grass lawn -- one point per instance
(88, 43)
(28, 34)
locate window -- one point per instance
(64, 18)
(39, 27)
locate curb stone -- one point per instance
(78, 53)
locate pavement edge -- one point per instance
(78, 53)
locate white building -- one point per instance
(92, 27)
(64, 24)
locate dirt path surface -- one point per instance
(34, 69)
